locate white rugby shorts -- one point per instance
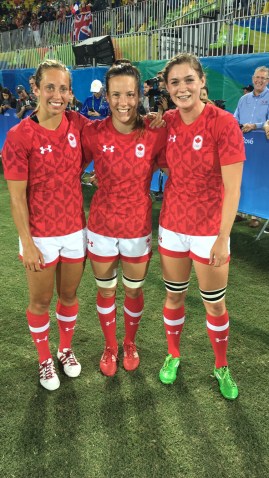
(107, 249)
(178, 245)
(70, 248)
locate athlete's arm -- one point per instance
(231, 177)
(32, 257)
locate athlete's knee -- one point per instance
(68, 297)
(133, 293)
(106, 293)
(214, 301)
(40, 305)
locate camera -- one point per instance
(156, 94)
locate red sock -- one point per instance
(218, 332)
(173, 323)
(66, 317)
(106, 308)
(39, 327)
(133, 309)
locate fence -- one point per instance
(147, 31)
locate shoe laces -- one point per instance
(108, 355)
(130, 349)
(227, 376)
(68, 357)
(47, 369)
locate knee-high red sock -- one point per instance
(133, 309)
(173, 323)
(66, 318)
(39, 328)
(218, 332)
(106, 308)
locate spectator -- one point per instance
(253, 111)
(35, 25)
(32, 85)
(95, 106)
(74, 104)
(204, 96)
(247, 89)
(24, 102)
(8, 101)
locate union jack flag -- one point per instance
(82, 26)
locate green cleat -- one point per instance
(168, 372)
(227, 385)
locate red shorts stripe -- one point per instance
(177, 254)
(96, 258)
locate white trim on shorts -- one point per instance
(107, 249)
(175, 244)
(70, 248)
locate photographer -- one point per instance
(24, 103)
(8, 101)
(159, 98)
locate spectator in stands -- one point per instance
(35, 25)
(253, 111)
(99, 5)
(95, 106)
(8, 101)
(24, 103)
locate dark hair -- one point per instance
(48, 65)
(126, 69)
(181, 58)
(205, 88)
(6, 91)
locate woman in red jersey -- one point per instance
(42, 160)
(205, 155)
(125, 151)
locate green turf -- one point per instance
(132, 425)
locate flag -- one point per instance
(82, 26)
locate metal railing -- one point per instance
(147, 31)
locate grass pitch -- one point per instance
(132, 425)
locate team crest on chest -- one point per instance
(72, 140)
(140, 150)
(197, 142)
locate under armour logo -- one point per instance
(42, 150)
(42, 340)
(221, 340)
(112, 322)
(172, 333)
(90, 243)
(108, 148)
(69, 328)
(135, 323)
(172, 138)
(160, 239)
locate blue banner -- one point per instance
(255, 184)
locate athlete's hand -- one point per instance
(93, 179)
(156, 120)
(33, 259)
(219, 253)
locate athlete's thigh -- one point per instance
(176, 269)
(210, 277)
(41, 284)
(68, 277)
(135, 270)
